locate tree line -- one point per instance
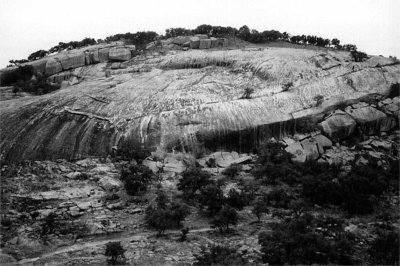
(141, 38)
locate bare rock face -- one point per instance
(72, 60)
(184, 100)
(339, 126)
(119, 54)
(53, 66)
(104, 54)
(205, 44)
(370, 120)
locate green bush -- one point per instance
(259, 207)
(358, 56)
(211, 197)
(136, 178)
(192, 181)
(20, 74)
(165, 213)
(307, 240)
(114, 250)
(225, 217)
(219, 255)
(236, 199)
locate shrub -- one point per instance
(247, 93)
(136, 178)
(165, 214)
(278, 198)
(193, 179)
(115, 251)
(22, 73)
(219, 255)
(301, 241)
(236, 199)
(225, 217)
(212, 197)
(358, 56)
(184, 232)
(384, 249)
(287, 86)
(259, 207)
(232, 170)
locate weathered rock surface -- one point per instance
(371, 120)
(119, 54)
(185, 99)
(338, 126)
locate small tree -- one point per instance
(193, 179)
(225, 217)
(259, 207)
(358, 56)
(115, 251)
(235, 199)
(248, 91)
(136, 178)
(212, 197)
(165, 214)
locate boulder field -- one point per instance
(195, 99)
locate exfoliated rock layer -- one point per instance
(189, 99)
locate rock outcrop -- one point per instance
(184, 100)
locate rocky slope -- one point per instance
(183, 100)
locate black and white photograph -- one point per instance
(199, 132)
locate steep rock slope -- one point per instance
(188, 99)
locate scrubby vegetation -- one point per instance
(115, 251)
(25, 78)
(307, 240)
(164, 213)
(142, 38)
(136, 178)
(219, 255)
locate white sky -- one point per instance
(29, 25)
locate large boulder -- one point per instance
(297, 151)
(205, 44)
(53, 66)
(194, 42)
(95, 56)
(40, 65)
(181, 40)
(103, 54)
(214, 42)
(338, 126)
(72, 60)
(110, 183)
(119, 54)
(310, 148)
(322, 143)
(371, 120)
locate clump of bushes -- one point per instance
(384, 249)
(307, 240)
(355, 191)
(25, 78)
(165, 213)
(192, 181)
(225, 217)
(219, 255)
(136, 178)
(358, 56)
